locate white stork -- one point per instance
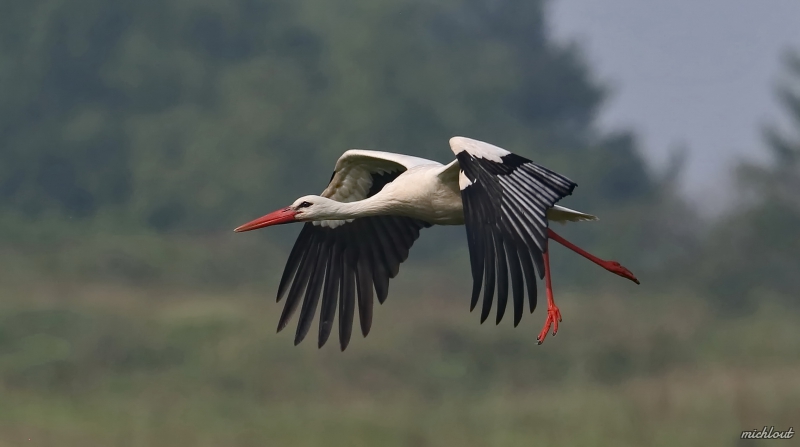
(359, 231)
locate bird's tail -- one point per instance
(563, 215)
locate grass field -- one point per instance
(110, 365)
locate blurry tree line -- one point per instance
(189, 117)
(754, 251)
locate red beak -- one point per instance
(279, 217)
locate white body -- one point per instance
(419, 193)
(423, 194)
(426, 190)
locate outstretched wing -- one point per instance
(506, 199)
(343, 261)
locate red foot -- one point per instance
(553, 317)
(617, 269)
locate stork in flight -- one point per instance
(359, 231)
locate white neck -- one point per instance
(333, 210)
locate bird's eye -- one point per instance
(304, 205)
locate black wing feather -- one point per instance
(346, 307)
(502, 277)
(312, 292)
(333, 276)
(348, 264)
(364, 284)
(515, 270)
(488, 293)
(300, 281)
(505, 206)
(476, 243)
(530, 277)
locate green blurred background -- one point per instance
(135, 134)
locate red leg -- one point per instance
(612, 266)
(553, 314)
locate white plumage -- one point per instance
(478, 149)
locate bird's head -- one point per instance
(304, 209)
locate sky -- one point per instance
(693, 73)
